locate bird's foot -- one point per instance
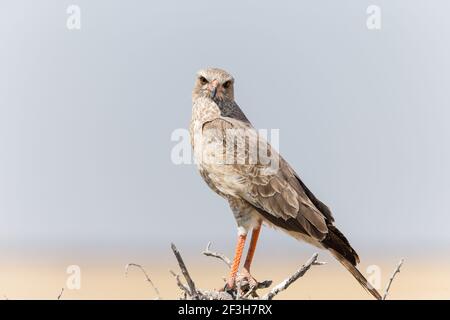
(244, 285)
(246, 278)
(230, 285)
(248, 285)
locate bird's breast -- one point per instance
(222, 180)
(210, 157)
(209, 151)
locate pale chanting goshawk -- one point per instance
(262, 189)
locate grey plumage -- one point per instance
(257, 190)
(230, 109)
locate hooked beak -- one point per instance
(213, 93)
(213, 88)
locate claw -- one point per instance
(249, 278)
(230, 285)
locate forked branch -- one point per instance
(298, 274)
(244, 291)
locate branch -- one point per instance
(217, 255)
(298, 274)
(185, 272)
(180, 284)
(147, 278)
(246, 290)
(388, 287)
(60, 294)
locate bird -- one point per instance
(265, 190)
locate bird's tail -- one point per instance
(344, 253)
(357, 274)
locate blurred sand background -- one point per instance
(420, 278)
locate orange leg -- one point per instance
(252, 248)
(236, 261)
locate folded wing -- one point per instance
(269, 183)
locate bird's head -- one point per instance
(214, 83)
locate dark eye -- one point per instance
(203, 80)
(227, 84)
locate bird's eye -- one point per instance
(203, 80)
(227, 84)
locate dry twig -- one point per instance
(244, 291)
(298, 274)
(207, 252)
(60, 294)
(180, 285)
(147, 278)
(388, 286)
(185, 272)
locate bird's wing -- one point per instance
(274, 190)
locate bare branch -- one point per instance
(388, 287)
(217, 255)
(286, 283)
(246, 289)
(60, 294)
(185, 272)
(251, 291)
(147, 278)
(238, 289)
(180, 284)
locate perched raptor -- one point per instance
(259, 186)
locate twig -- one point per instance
(207, 252)
(252, 290)
(147, 278)
(245, 290)
(238, 289)
(388, 287)
(286, 283)
(180, 284)
(185, 272)
(60, 294)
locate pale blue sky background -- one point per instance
(86, 118)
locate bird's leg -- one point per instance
(236, 261)
(250, 254)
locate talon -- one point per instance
(247, 276)
(230, 285)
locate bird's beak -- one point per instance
(213, 88)
(213, 92)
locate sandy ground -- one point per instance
(419, 279)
